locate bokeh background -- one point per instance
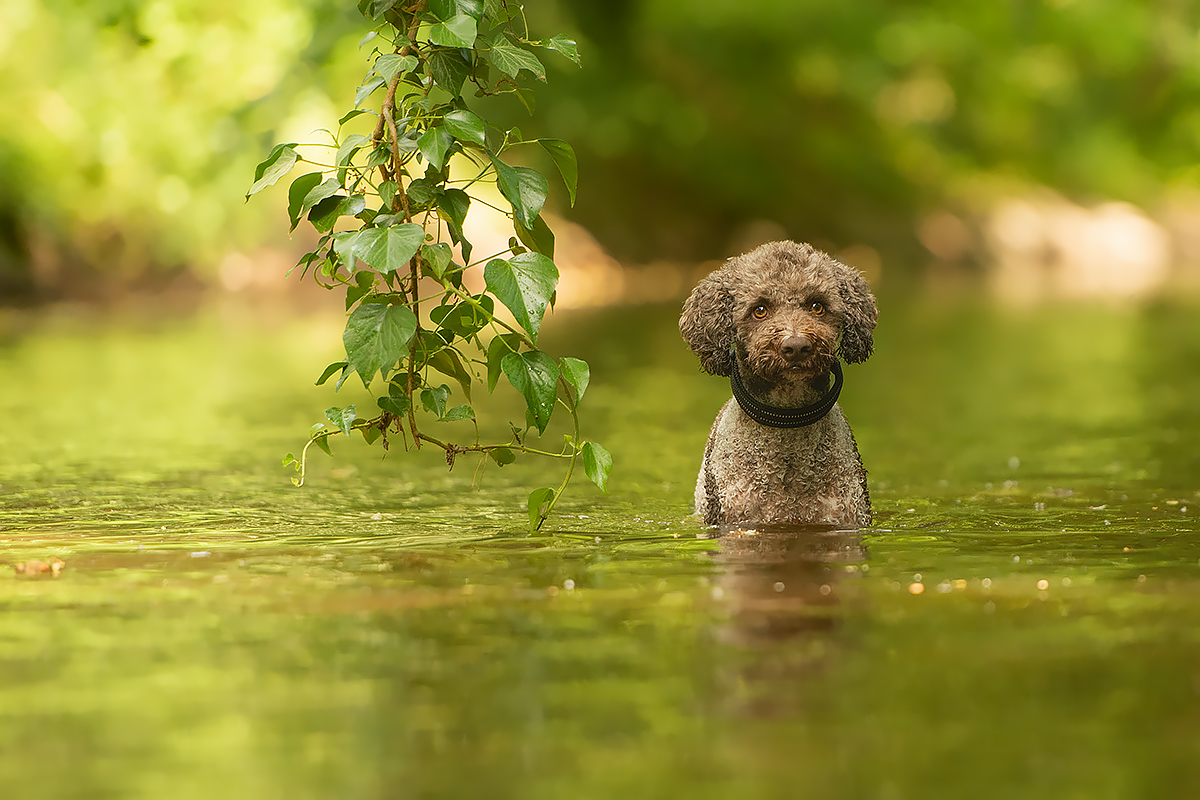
(1030, 149)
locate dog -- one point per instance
(774, 321)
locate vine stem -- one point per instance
(575, 448)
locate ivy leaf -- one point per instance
(343, 418)
(459, 413)
(434, 400)
(535, 375)
(449, 69)
(454, 204)
(540, 239)
(325, 214)
(525, 284)
(525, 189)
(351, 145)
(377, 335)
(498, 348)
(597, 463)
(388, 64)
(460, 31)
(502, 455)
(448, 363)
(277, 164)
(364, 282)
(437, 258)
(389, 249)
(576, 373)
(297, 192)
(396, 402)
(434, 144)
(364, 91)
(510, 59)
(564, 158)
(466, 127)
(316, 194)
(540, 501)
(337, 366)
(564, 45)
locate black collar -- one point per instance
(777, 417)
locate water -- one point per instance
(1022, 621)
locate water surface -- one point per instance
(1022, 621)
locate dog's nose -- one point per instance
(794, 348)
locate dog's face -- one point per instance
(785, 309)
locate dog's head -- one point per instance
(785, 309)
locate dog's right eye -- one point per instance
(759, 311)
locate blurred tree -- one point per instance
(127, 129)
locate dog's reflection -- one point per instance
(780, 582)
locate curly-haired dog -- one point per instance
(775, 321)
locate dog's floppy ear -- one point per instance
(707, 323)
(861, 314)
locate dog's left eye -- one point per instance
(817, 307)
(759, 311)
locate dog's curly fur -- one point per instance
(785, 312)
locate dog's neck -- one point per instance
(793, 405)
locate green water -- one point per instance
(388, 632)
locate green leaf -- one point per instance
(351, 145)
(597, 463)
(396, 405)
(459, 413)
(364, 91)
(337, 366)
(277, 164)
(343, 418)
(434, 400)
(525, 189)
(576, 373)
(289, 459)
(434, 144)
(389, 249)
(449, 69)
(460, 31)
(297, 192)
(318, 193)
(525, 284)
(364, 282)
(502, 456)
(564, 158)
(377, 335)
(540, 502)
(466, 127)
(498, 348)
(454, 204)
(510, 59)
(448, 363)
(540, 239)
(474, 8)
(443, 9)
(370, 434)
(387, 193)
(535, 375)
(322, 441)
(324, 215)
(437, 257)
(351, 114)
(388, 64)
(564, 45)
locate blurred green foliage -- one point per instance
(127, 129)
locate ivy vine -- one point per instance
(390, 211)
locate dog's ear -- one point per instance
(861, 314)
(707, 323)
